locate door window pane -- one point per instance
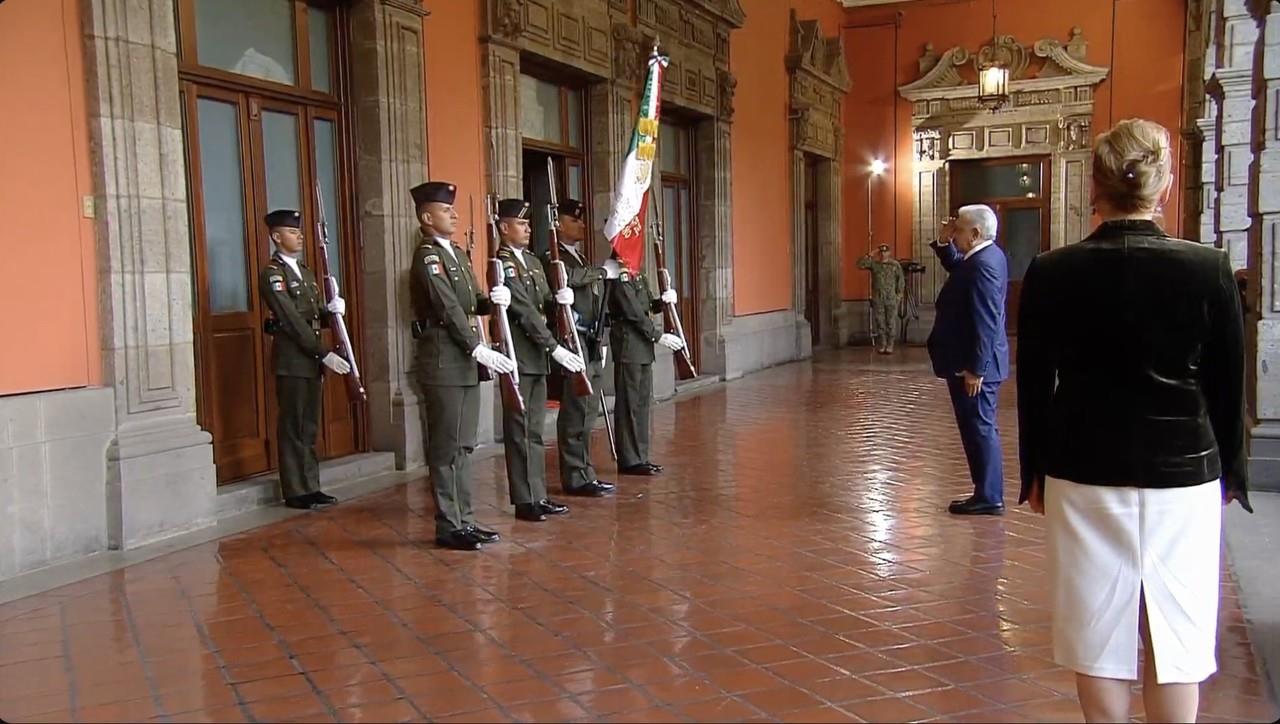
(686, 245)
(575, 118)
(1021, 240)
(318, 24)
(669, 151)
(250, 37)
(671, 229)
(540, 110)
(978, 182)
(280, 158)
(576, 190)
(327, 175)
(221, 185)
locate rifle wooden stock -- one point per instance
(483, 372)
(510, 382)
(566, 329)
(670, 315)
(355, 386)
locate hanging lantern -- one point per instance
(993, 87)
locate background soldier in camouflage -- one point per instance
(888, 284)
(632, 335)
(290, 291)
(531, 300)
(446, 299)
(578, 414)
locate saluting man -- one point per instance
(632, 334)
(578, 414)
(446, 299)
(531, 301)
(290, 291)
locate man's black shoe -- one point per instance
(593, 489)
(973, 506)
(530, 512)
(458, 540)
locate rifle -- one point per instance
(510, 382)
(670, 315)
(566, 328)
(355, 387)
(485, 374)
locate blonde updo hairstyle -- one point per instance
(1133, 166)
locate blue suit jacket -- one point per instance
(968, 332)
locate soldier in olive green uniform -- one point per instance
(290, 291)
(632, 335)
(578, 414)
(531, 300)
(445, 299)
(887, 286)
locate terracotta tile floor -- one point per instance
(793, 564)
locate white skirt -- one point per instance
(1109, 549)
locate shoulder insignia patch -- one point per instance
(433, 267)
(624, 277)
(509, 270)
(277, 282)
(431, 257)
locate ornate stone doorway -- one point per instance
(1049, 114)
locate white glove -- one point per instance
(568, 360)
(495, 361)
(500, 296)
(337, 306)
(671, 342)
(669, 297)
(336, 363)
(564, 296)
(611, 268)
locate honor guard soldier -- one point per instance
(888, 283)
(531, 301)
(632, 334)
(446, 299)
(298, 356)
(578, 414)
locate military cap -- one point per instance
(883, 247)
(438, 191)
(283, 217)
(573, 207)
(513, 209)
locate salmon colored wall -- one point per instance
(455, 108)
(1145, 80)
(762, 279)
(48, 287)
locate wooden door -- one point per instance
(249, 155)
(679, 215)
(812, 249)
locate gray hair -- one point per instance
(980, 217)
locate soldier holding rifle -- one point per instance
(531, 301)
(578, 413)
(445, 299)
(290, 291)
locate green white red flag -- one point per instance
(625, 225)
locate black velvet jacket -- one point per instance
(1130, 364)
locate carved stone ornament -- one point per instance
(509, 18)
(1074, 132)
(820, 57)
(727, 85)
(630, 55)
(1063, 65)
(927, 141)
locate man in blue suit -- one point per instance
(969, 348)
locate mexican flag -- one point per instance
(625, 226)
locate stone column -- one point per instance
(160, 473)
(501, 85)
(390, 141)
(1234, 75)
(712, 141)
(800, 253)
(1262, 313)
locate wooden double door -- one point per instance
(248, 154)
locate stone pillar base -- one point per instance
(160, 481)
(762, 340)
(1264, 457)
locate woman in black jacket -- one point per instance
(1130, 374)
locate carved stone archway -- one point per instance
(1050, 113)
(819, 82)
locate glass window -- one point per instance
(671, 227)
(319, 23)
(978, 182)
(575, 118)
(250, 37)
(327, 175)
(221, 182)
(686, 243)
(540, 110)
(1021, 240)
(280, 156)
(669, 151)
(576, 189)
